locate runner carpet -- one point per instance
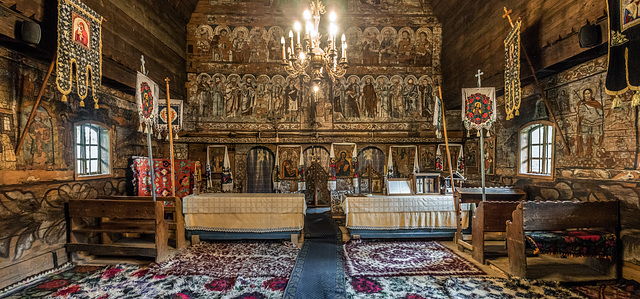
(319, 270)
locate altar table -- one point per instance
(244, 212)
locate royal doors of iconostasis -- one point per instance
(316, 162)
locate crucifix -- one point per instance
(507, 15)
(482, 171)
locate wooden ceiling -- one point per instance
(474, 31)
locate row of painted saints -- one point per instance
(220, 97)
(370, 47)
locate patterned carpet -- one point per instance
(439, 287)
(49, 284)
(384, 259)
(126, 281)
(230, 260)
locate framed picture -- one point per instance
(399, 187)
(427, 157)
(80, 31)
(344, 161)
(489, 155)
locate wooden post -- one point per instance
(35, 106)
(170, 123)
(456, 202)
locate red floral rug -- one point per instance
(377, 259)
(49, 284)
(232, 260)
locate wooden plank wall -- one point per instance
(474, 33)
(155, 29)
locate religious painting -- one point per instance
(479, 108)
(317, 154)
(38, 147)
(457, 156)
(388, 50)
(489, 155)
(512, 91)
(590, 121)
(425, 87)
(222, 44)
(7, 139)
(344, 161)
(427, 158)
(371, 46)
(405, 46)
(241, 50)
(471, 153)
(423, 48)
(80, 30)
(371, 157)
(289, 159)
(629, 13)
(146, 100)
(273, 45)
(172, 115)
(216, 158)
(79, 44)
(403, 160)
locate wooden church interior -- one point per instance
(319, 149)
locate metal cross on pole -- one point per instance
(151, 167)
(478, 75)
(484, 195)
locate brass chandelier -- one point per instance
(307, 57)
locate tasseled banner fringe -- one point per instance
(82, 103)
(146, 129)
(64, 98)
(159, 135)
(176, 137)
(96, 106)
(616, 103)
(140, 128)
(479, 133)
(635, 101)
(488, 134)
(468, 134)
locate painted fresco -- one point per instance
(261, 98)
(367, 46)
(38, 147)
(489, 158)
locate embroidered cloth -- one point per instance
(573, 243)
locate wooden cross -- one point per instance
(507, 14)
(478, 75)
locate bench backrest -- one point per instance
(560, 215)
(105, 208)
(495, 214)
(124, 197)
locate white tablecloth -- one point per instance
(244, 212)
(380, 212)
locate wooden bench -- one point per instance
(566, 220)
(175, 222)
(113, 218)
(490, 217)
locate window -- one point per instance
(93, 150)
(536, 150)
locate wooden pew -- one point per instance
(176, 223)
(534, 216)
(115, 217)
(490, 217)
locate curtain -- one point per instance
(260, 162)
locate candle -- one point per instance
(291, 37)
(283, 49)
(297, 27)
(289, 51)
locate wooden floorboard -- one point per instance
(550, 267)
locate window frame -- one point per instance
(529, 127)
(103, 128)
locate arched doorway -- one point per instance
(316, 160)
(260, 161)
(371, 161)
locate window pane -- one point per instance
(536, 151)
(549, 134)
(79, 152)
(80, 166)
(535, 136)
(79, 134)
(548, 169)
(535, 165)
(94, 152)
(94, 166)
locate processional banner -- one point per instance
(479, 108)
(79, 44)
(174, 113)
(512, 90)
(147, 93)
(623, 71)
